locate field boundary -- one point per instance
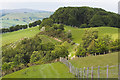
(92, 72)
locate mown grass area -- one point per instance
(110, 59)
(11, 37)
(46, 39)
(52, 70)
(100, 60)
(77, 33)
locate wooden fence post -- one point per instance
(92, 72)
(70, 66)
(84, 73)
(98, 71)
(76, 72)
(87, 72)
(107, 70)
(81, 72)
(119, 72)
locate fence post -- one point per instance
(76, 72)
(87, 71)
(84, 73)
(92, 72)
(98, 71)
(119, 72)
(70, 66)
(81, 72)
(73, 70)
(107, 70)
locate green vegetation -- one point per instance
(55, 30)
(28, 47)
(110, 59)
(51, 70)
(77, 33)
(92, 17)
(30, 51)
(19, 27)
(12, 37)
(91, 44)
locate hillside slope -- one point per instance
(77, 33)
(102, 61)
(52, 70)
(16, 35)
(12, 37)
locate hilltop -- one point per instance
(85, 17)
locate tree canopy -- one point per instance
(93, 17)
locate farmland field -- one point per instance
(16, 35)
(77, 33)
(110, 59)
(52, 70)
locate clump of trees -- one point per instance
(30, 51)
(91, 44)
(55, 30)
(13, 28)
(19, 27)
(33, 24)
(85, 17)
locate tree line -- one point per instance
(19, 27)
(85, 17)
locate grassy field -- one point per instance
(101, 60)
(52, 70)
(47, 39)
(110, 59)
(16, 35)
(77, 33)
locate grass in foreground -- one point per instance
(53, 70)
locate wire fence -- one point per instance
(92, 72)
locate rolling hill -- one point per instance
(51, 70)
(77, 33)
(12, 37)
(11, 18)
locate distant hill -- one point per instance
(11, 17)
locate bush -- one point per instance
(84, 26)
